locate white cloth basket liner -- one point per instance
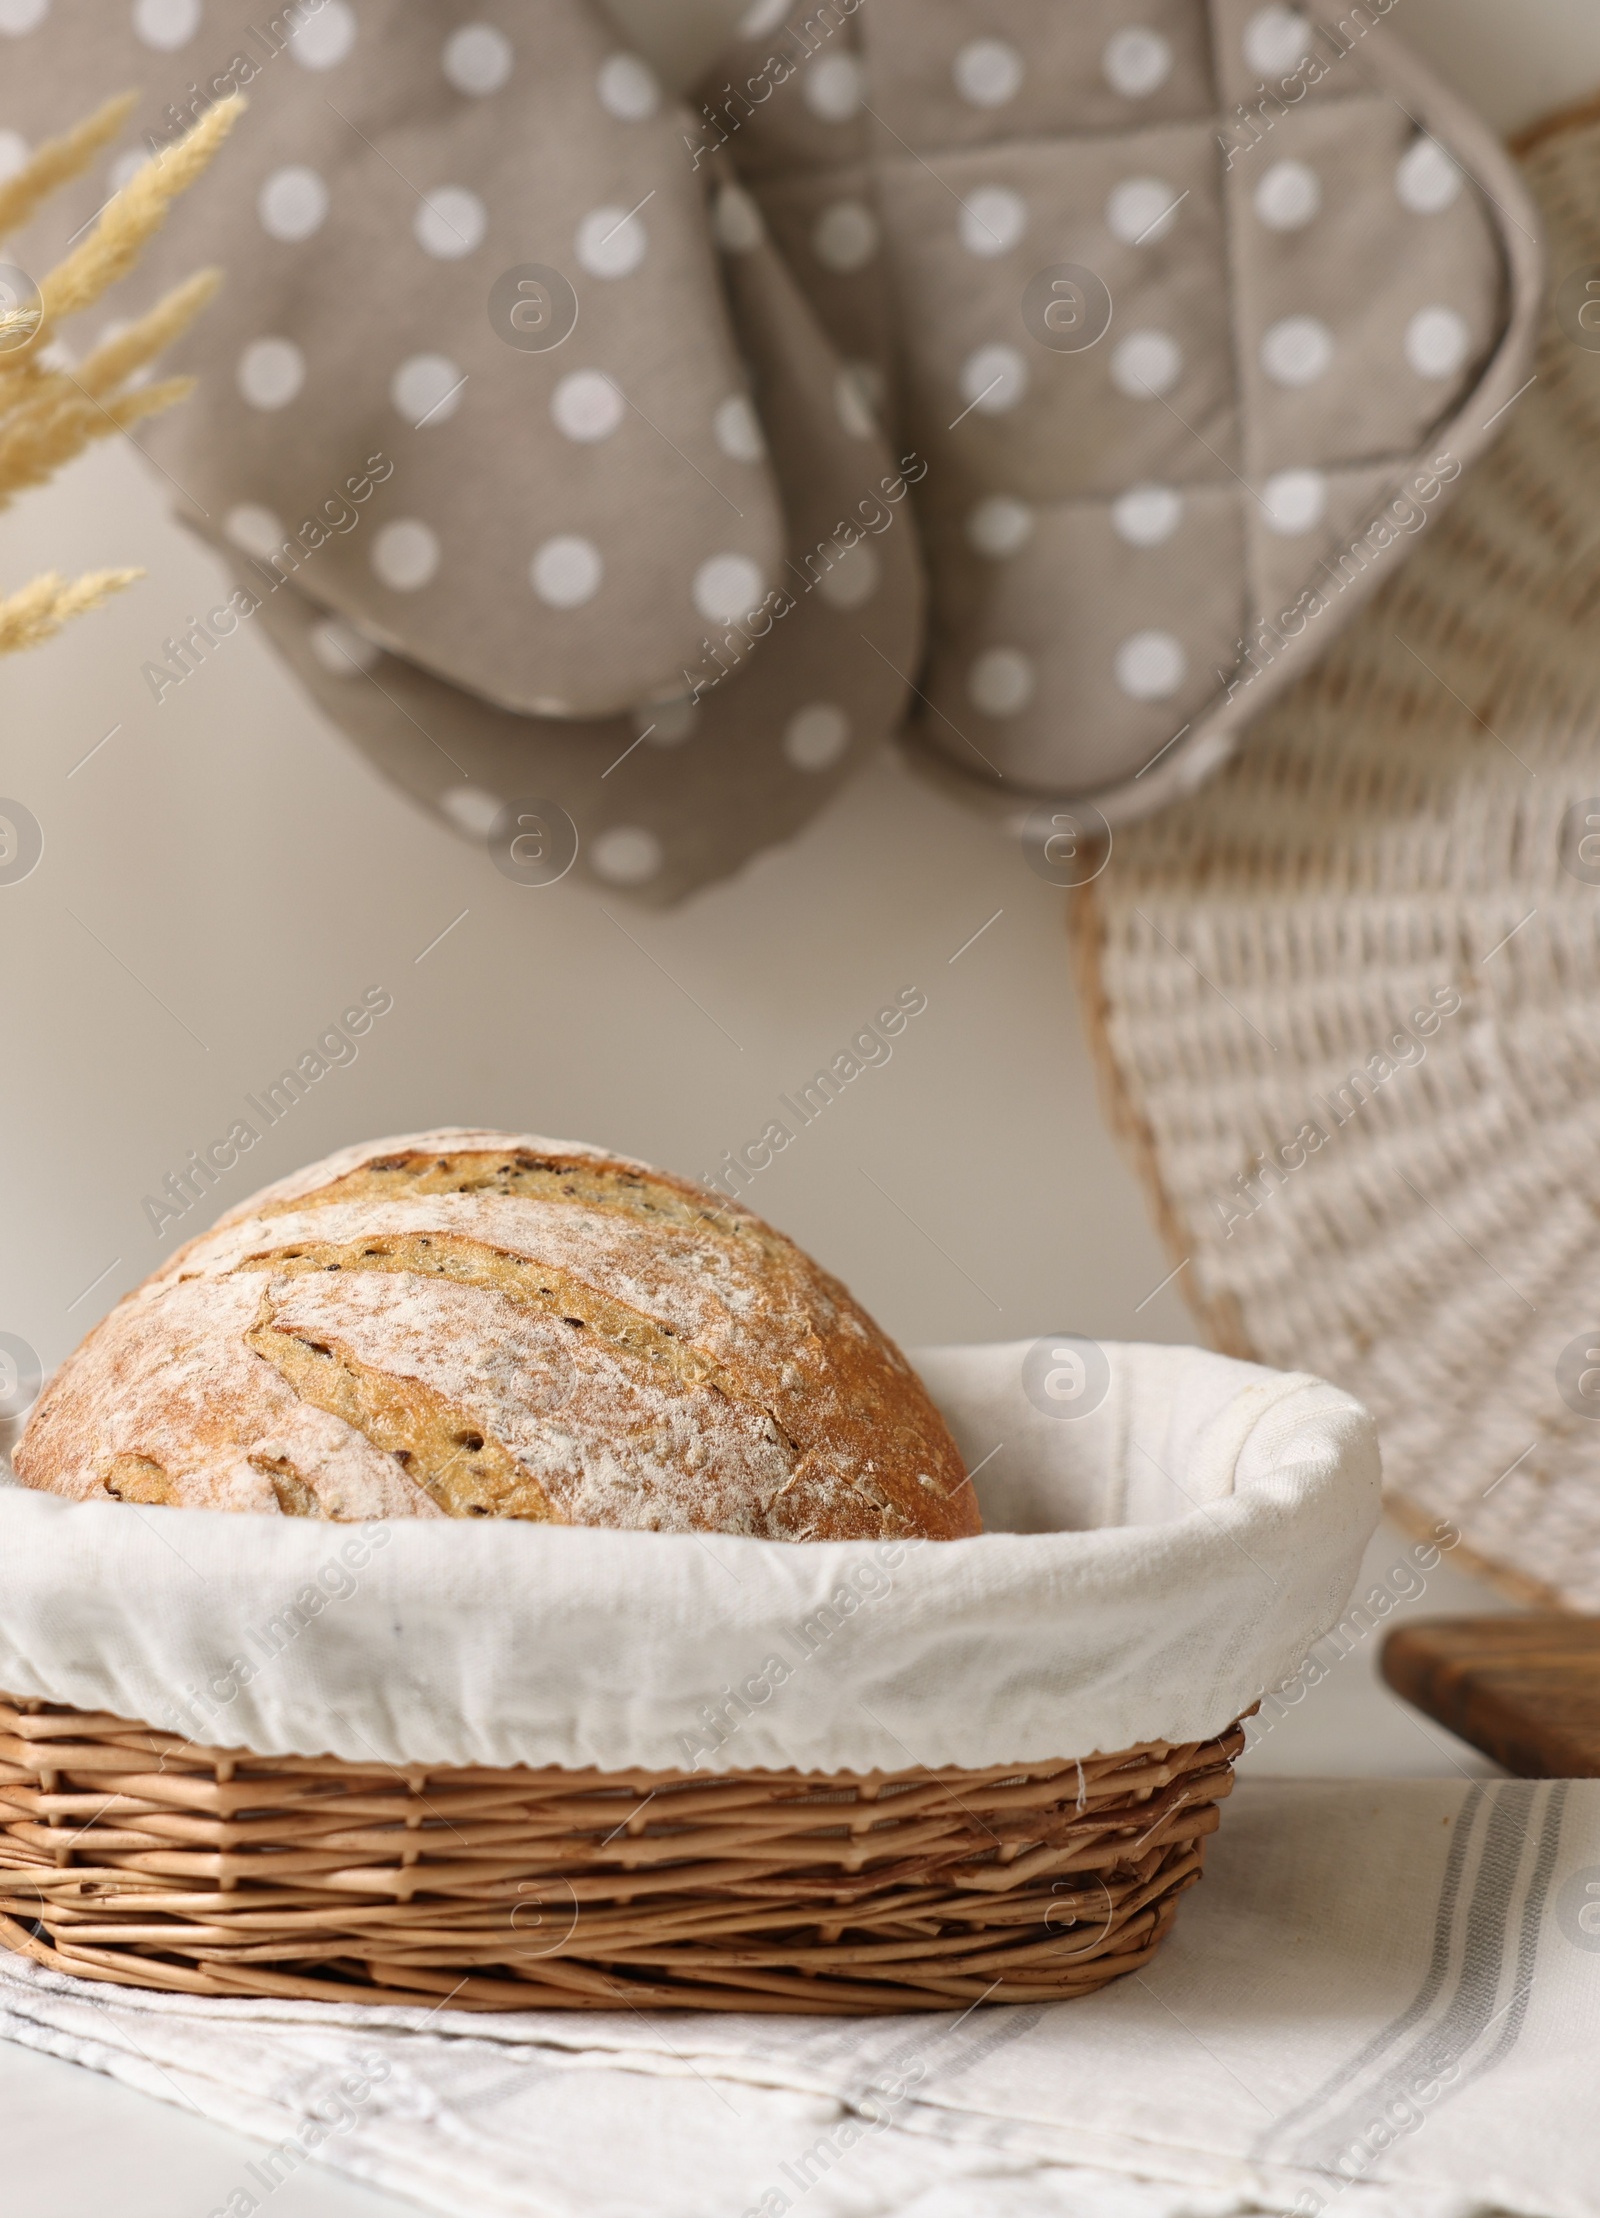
(1147, 1570)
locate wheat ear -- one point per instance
(116, 359)
(48, 414)
(58, 160)
(134, 215)
(36, 449)
(44, 606)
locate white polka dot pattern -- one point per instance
(1147, 514)
(426, 389)
(1146, 364)
(1162, 551)
(988, 73)
(736, 220)
(627, 854)
(846, 236)
(1426, 180)
(872, 382)
(450, 222)
(567, 571)
(1298, 350)
(1294, 501)
(1288, 196)
(1001, 682)
(666, 723)
(166, 24)
(1000, 526)
(474, 808)
(323, 40)
(1136, 62)
(1276, 41)
(1437, 342)
(1151, 666)
(833, 87)
(405, 555)
(19, 17)
(478, 59)
(992, 220)
(816, 736)
(1141, 210)
(611, 242)
(737, 430)
(853, 406)
(292, 204)
(993, 380)
(271, 372)
(255, 530)
(727, 587)
(586, 406)
(628, 88)
(347, 653)
(13, 153)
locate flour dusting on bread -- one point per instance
(469, 1323)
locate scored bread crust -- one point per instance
(477, 1323)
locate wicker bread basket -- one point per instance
(131, 1855)
(488, 1768)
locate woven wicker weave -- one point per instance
(1401, 821)
(130, 1855)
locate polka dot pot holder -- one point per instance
(1045, 385)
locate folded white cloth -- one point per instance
(1150, 1566)
(1381, 2003)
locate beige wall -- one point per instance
(224, 875)
(1514, 59)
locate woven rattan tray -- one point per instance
(132, 1855)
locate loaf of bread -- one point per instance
(477, 1324)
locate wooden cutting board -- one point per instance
(1524, 1689)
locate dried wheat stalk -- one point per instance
(48, 413)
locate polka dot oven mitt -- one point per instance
(683, 791)
(536, 594)
(1132, 544)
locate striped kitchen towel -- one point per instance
(1381, 2004)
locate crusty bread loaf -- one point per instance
(477, 1324)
